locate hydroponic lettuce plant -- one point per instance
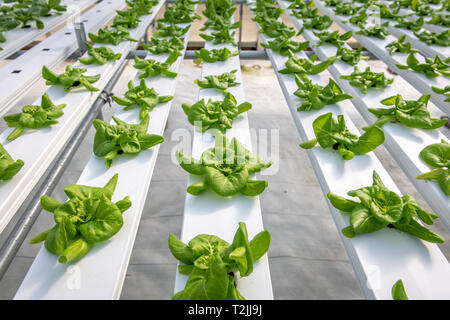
(141, 97)
(411, 113)
(345, 9)
(431, 68)
(152, 68)
(226, 169)
(367, 79)
(25, 15)
(8, 167)
(377, 31)
(34, 117)
(274, 28)
(214, 55)
(440, 19)
(212, 263)
(357, 19)
(305, 13)
(315, 97)
(111, 36)
(283, 45)
(317, 22)
(350, 56)
(164, 45)
(221, 82)
(332, 133)
(170, 30)
(437, 156)
(332, 38)
(386, 13)
(445, 91)
(296, 65)
(128, 19)
(100, 55)
(221, 36)
(439, 39)
(414, 25)
(380, 207)
(398, 291)
(88, 217)
(179, 13)
(141, 7)
(300, 4)
(72, 78)
(123, 138)
(215, 114)
(400, 45)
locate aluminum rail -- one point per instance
(18, 76)
(19, 38)
(104, 268)
(403, 143)
(379, 259)
(38, 148)
(377, 47)
(212, 214)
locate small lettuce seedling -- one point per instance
(219, 23)
(411, 113)
(445, 91)
(214, 55)
(128, 19)
(164, 45)
(221, 82)
(350, 56)
(152, 68)
(332, 133)
(414, 25)
(179, 13)
(215, 114)
(317, 22)
(88, 217)
(226, 169)
(141, 7)
(377, 31)
(398, 291)
(221, 36)
(170, 30)
(367, 79)
(345, 9)
(283, 45)
(297, 65)
(99, 55)
(358, 18)
(123, 138)
(431, 68)
(332, 38)
(111, 36)
(315, 97)
(34, 117)
(437, 156)
(72, 78)
(274, 28)
(8, 167)
(440, 19)
(142, 97)
(380, 207)
(440, 39)
(401, 46)
(212, 263)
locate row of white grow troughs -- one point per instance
(403, 143)
(18, 76)
(379, 259)
(103, 269)
(220, 216)
(19, 38)
(38, 148)
(378, 48)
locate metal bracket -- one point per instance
(80, 33)
(106, 97)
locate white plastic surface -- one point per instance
(212, 214)
(38, 148)
(383, 257)
(403, 143)
(103, 269)
(377, 47)
(49, 52)
(19, 38)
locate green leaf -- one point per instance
(398, 291)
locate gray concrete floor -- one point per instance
(305, 243)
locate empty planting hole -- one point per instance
(46, 49)
(16, 71)
(68, 33)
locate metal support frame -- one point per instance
(32, 210)
(80, 33)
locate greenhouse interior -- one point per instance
(224, 150)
